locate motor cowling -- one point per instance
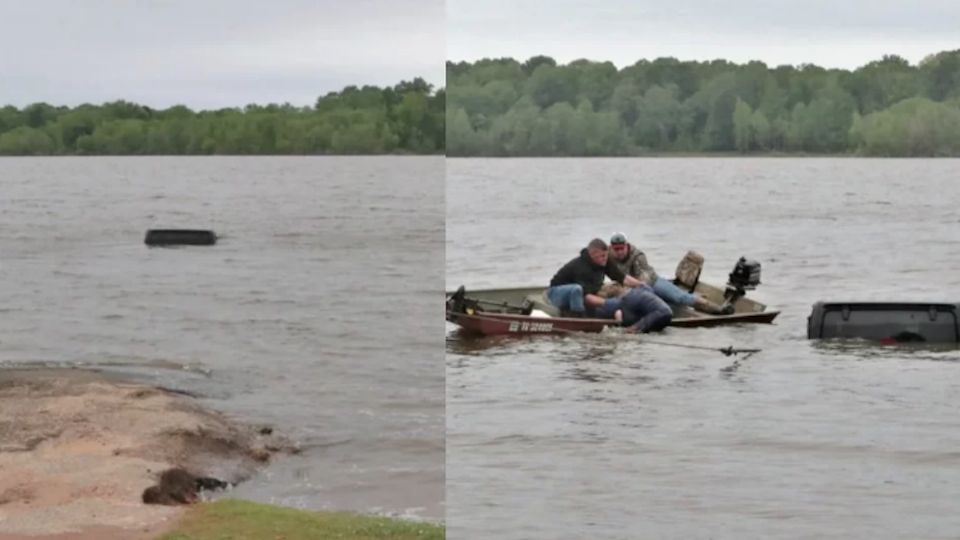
(745, 275)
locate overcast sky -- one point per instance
(213, 53)
(219, 53)
(830, 33)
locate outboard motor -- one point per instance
(457, 301)
(744, 277)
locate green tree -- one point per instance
(10, 118)
(534, 62)
(718, 99)
(569, 135)
(743, 126)
(595, 80)
(462, 140)
(824, 124)
(941, 75)
(39, 114)
(657, 118)
(75, 124)
(912, 127)
(549, 84)
(762, 130)
(882, 83)
(26, 141)
(510, 133)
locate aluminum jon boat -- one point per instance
(526, 310)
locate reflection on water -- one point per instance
(609, 436)
(862, 349)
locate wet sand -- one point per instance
(77, 449)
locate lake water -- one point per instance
(315, 313)
(610, 437)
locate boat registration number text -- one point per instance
(518, 326)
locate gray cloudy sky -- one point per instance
(213, 53)
(830, 33)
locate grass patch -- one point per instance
(243, 520)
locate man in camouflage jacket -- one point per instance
(632, 262)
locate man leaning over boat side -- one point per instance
(573, 289)
(638, 309)
(632, 262)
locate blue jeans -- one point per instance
(567, 297)
(671, 293)
(644, 311)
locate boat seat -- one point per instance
(688, 270)
(541, 302)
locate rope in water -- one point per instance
(727, 351)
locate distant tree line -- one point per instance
(502, 107)
(406, 118)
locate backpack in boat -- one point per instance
(688, 270)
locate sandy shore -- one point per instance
(77, 449)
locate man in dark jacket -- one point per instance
(574, 287)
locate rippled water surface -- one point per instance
(316, 312)
(610, 436)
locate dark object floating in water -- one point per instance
(172, 237)
(886, 322)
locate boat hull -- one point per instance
(764, 317)
(501, 313)
(499, 324)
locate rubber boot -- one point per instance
(702, 304)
